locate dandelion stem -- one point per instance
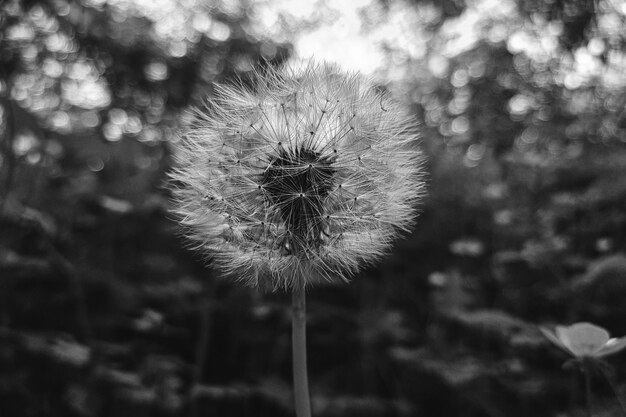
(298, 341)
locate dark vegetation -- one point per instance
(103, 312)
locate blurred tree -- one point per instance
(91, 93)
(530, 96)
(84, 83)
(523, 116)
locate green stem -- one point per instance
(586, 373)
(298, 341)
(606, 372)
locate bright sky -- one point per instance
(337, 34)
(342, 41)
(355, 33)
(341, 34)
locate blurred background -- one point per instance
(104, 313)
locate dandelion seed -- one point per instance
(313, 173)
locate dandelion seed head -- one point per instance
(310, 176)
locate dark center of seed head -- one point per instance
(296, 183)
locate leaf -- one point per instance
(555, 340)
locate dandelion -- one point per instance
(308, 177)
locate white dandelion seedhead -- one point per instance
(309, 176)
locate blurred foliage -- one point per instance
(104, 313)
